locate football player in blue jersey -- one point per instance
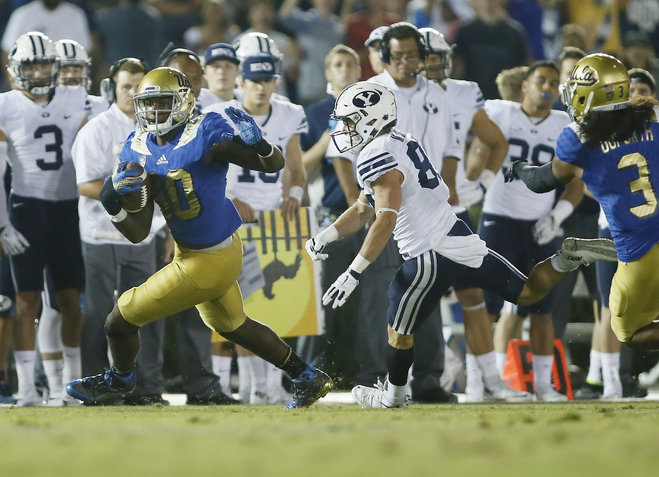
(186, 161)
(611, 144)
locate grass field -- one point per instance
(584, 439)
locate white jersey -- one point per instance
(532, 140)
(95, 105)
(206, 98)
(424, 112)
(95, 154)
(261, 190)
(424, 213)
(40, 137)
(466, 100)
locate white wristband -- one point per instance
(120, 217)
(486, 178)
(359, 264)
(296, 192)
(330, 234)
(562, 210)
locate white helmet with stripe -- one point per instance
(73, 54)
(436, 44)
(33, 64)
(255, 42)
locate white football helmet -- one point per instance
(72, 53)
(435, 43)
(255, 42)
(365, 109)
(33, 64)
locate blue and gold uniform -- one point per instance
(208, 257)
(624, 178)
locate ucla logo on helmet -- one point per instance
(364, 99)
(586, 77)
(183, 82)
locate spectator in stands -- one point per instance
(216, 26)
(318, 30)
(637, 51)
(492, 41)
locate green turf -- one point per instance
(582, 439)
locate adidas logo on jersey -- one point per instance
(162, 160)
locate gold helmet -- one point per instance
(598, 82)
(164, 100)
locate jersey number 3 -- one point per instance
(642, 184)
(55, 146)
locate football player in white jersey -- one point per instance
(467, 102)
(408, 197)
(512, 210)
(281, 123)
(75, 70)
(38, 124)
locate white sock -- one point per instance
(25, 373)
(542, 366)
(474, 386)
(488, 365)
(72, 364)
(501, 362)
(595, 367)
(562, 264)
(54, 372)
(611, 375)
(394, 394)
(258, 377)
(244, 379)
(222, 367)
(273, 377)
(49, 334)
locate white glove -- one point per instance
(549, 226)
(316, 245)
(341, 288)
(470, 193)
(13, 241)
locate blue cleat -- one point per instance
(309, 387)
(102, 388)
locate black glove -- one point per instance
(110, 198)
(511, 173)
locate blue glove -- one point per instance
(510, 174)
(126, 181)
(250, 132)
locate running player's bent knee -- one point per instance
(116, 327)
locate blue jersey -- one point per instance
(624, 178)
(190, 192)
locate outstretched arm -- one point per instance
(543, 178)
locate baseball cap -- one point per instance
(221, 51)
(376, 35)
(260, 66)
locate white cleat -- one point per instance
(586, 251)
(504, 393)
(376, 397)
(550, 395)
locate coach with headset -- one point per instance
(424, 112)
(112, 263)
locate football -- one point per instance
(136, 201)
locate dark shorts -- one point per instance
(513, 239)
(421, 281)
(605, 272)
(52, 229)
(7, 295)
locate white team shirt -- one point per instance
(40, 138)
(263, 191)
(95, 154)
(95, 105)
(424, 213)
(466, 100)
(529, 139)
(424, 112)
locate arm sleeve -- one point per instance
(538, 179)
